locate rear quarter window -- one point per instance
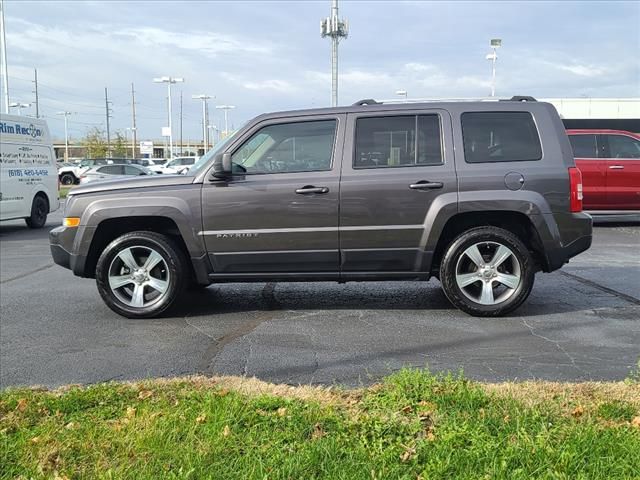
(500, 137)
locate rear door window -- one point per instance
(112, 170)
(500, 137)
(584, 146)
(399, 141)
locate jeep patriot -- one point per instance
(479, 194)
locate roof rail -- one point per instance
(367, 101)
(519, 98)
(516, 98)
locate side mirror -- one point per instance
(222, 165)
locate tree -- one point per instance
(95, 143)
(119, 146)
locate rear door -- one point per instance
(623, 171)
(588, 159)
(279, 213)
(395, 165)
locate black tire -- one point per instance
(39, 212)
(177, 271)
(67, 179)
(492, 236)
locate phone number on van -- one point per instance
(28, 173)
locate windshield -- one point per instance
(205, 159)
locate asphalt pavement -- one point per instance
(580, 323)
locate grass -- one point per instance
(62, 193)
(413, 425)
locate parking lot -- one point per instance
(580, 323)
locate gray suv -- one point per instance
(480, 195)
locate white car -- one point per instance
(28, 171)
(112, 172)
(69, 173)
(177, 165)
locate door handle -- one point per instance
(311, 189)
(616, 167)
(424, 185)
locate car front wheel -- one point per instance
(141, 274)
(487, 272)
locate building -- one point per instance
(613, 113)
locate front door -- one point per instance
(395, 165)
(279, 213)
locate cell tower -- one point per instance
(337, 29)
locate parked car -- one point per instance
(28, 180)
(112, 172)
(177, 165)
(368, 192)
(610, 164)
(70, 175)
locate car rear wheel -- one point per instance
(39, 212)
(141, 274)
(487, 272)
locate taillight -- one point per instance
(575, 189)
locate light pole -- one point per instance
(402, 93)
(493, 56)
(213, 136)
(3, 60)
(19, 106)
(133, 141)
(169, 81)
(66, 134)
(205, 120)
(226, 109)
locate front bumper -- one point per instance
(61, 242)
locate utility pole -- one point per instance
(205, 118)
(35, 81)
(66, 134)
(108, 112)
(337, 29)
(134, 129)
(3, 54)
(493, 56)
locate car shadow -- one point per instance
(220, 299)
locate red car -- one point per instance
(610, 164)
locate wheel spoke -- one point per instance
(474, 254)
(137, 298)
(466, 279)
(153, 259)
(157, 284)
(508, 280)
(486, 297)
(119, 281)
(127, 258)
(502, 253)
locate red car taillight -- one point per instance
(575, 189)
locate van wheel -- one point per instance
(141, 274)
(39, 212)
(487, 272)
(67, 179)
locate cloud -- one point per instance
(582, 70)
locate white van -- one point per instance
(28, 171)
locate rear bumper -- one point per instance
(576, 236)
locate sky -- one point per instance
(263, 56)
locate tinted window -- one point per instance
(500, 137)
(391, 141)
(131, 170)
(584, 146)
(112, 170)
(621, 146)
(289, 147)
